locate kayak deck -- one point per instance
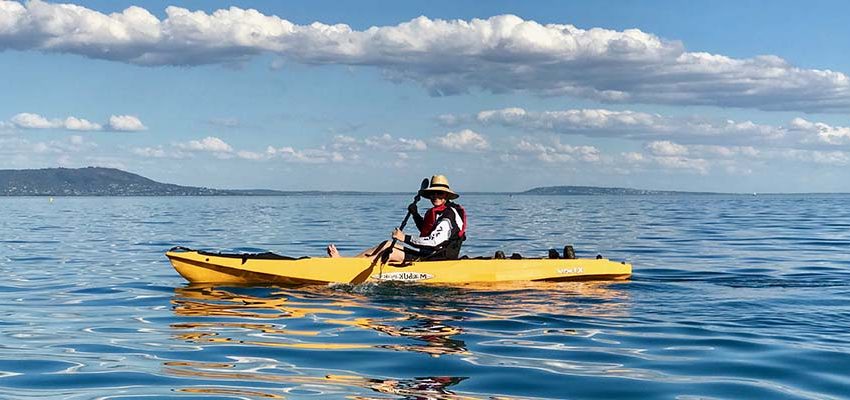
(269, 268)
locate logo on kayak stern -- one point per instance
(569, 271)
(404, 276)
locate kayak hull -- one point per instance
(202, 267)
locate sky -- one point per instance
(726, 96)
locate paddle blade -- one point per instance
(422, 186)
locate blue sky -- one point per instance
(745, 96)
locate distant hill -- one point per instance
(97, 181)
(595, 190)
(90, 181)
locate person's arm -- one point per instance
(438, 236)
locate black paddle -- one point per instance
(384, 255)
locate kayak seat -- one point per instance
(253, 256)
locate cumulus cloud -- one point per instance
(666, 148)
(308, 156)
(831, 158)
(78, 124)
(463, 141)
(15, 147)
(342, 149)
(160, 152)
(630, 125)
(127, 123)
(36, 121)
(209, 144)
(500, 54)
(734, 160)
(554, 151)
(388, 143)
(823, 133)
(385, 143)
(570, 120)
(659, 128)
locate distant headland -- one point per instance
(98, 181)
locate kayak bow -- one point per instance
(270, 268)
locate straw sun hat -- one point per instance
(439, 183)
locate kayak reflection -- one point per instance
(265, 340)
(432, 332)
(431, 387)
(221, 317)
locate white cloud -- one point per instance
(308, 156)
(78, 124)
(570, 120)
(36, 121)
(153, 152)
(13, 147)
(251, 155)
(630, 125)
(388, 143)
(735, 160)
(666, 148)
(633, 157)
(384, 143)
(822, 132)
(463, 141)
(698, 165)
(833, 158)
(500, 54)
(348, 143)
(556, 152)
(128, 123)
(208, 144)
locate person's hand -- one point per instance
(413, 209)
(398, 234)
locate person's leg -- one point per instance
(397, 254)
(373, 250)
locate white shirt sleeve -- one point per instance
(438, 236)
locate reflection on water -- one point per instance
(264, 318)
(435, 336)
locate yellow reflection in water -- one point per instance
(430, 326)
(211, 302)
(436, 387)
(216, 302)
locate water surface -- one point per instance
(732, 297)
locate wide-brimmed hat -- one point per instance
(439, 183)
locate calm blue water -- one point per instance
(738, 297)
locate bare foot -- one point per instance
(332, 251)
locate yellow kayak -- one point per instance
(270, 268)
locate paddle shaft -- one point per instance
(384, 255)
(389, 250)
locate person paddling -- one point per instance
(441, 231)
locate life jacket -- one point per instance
(451, 248)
